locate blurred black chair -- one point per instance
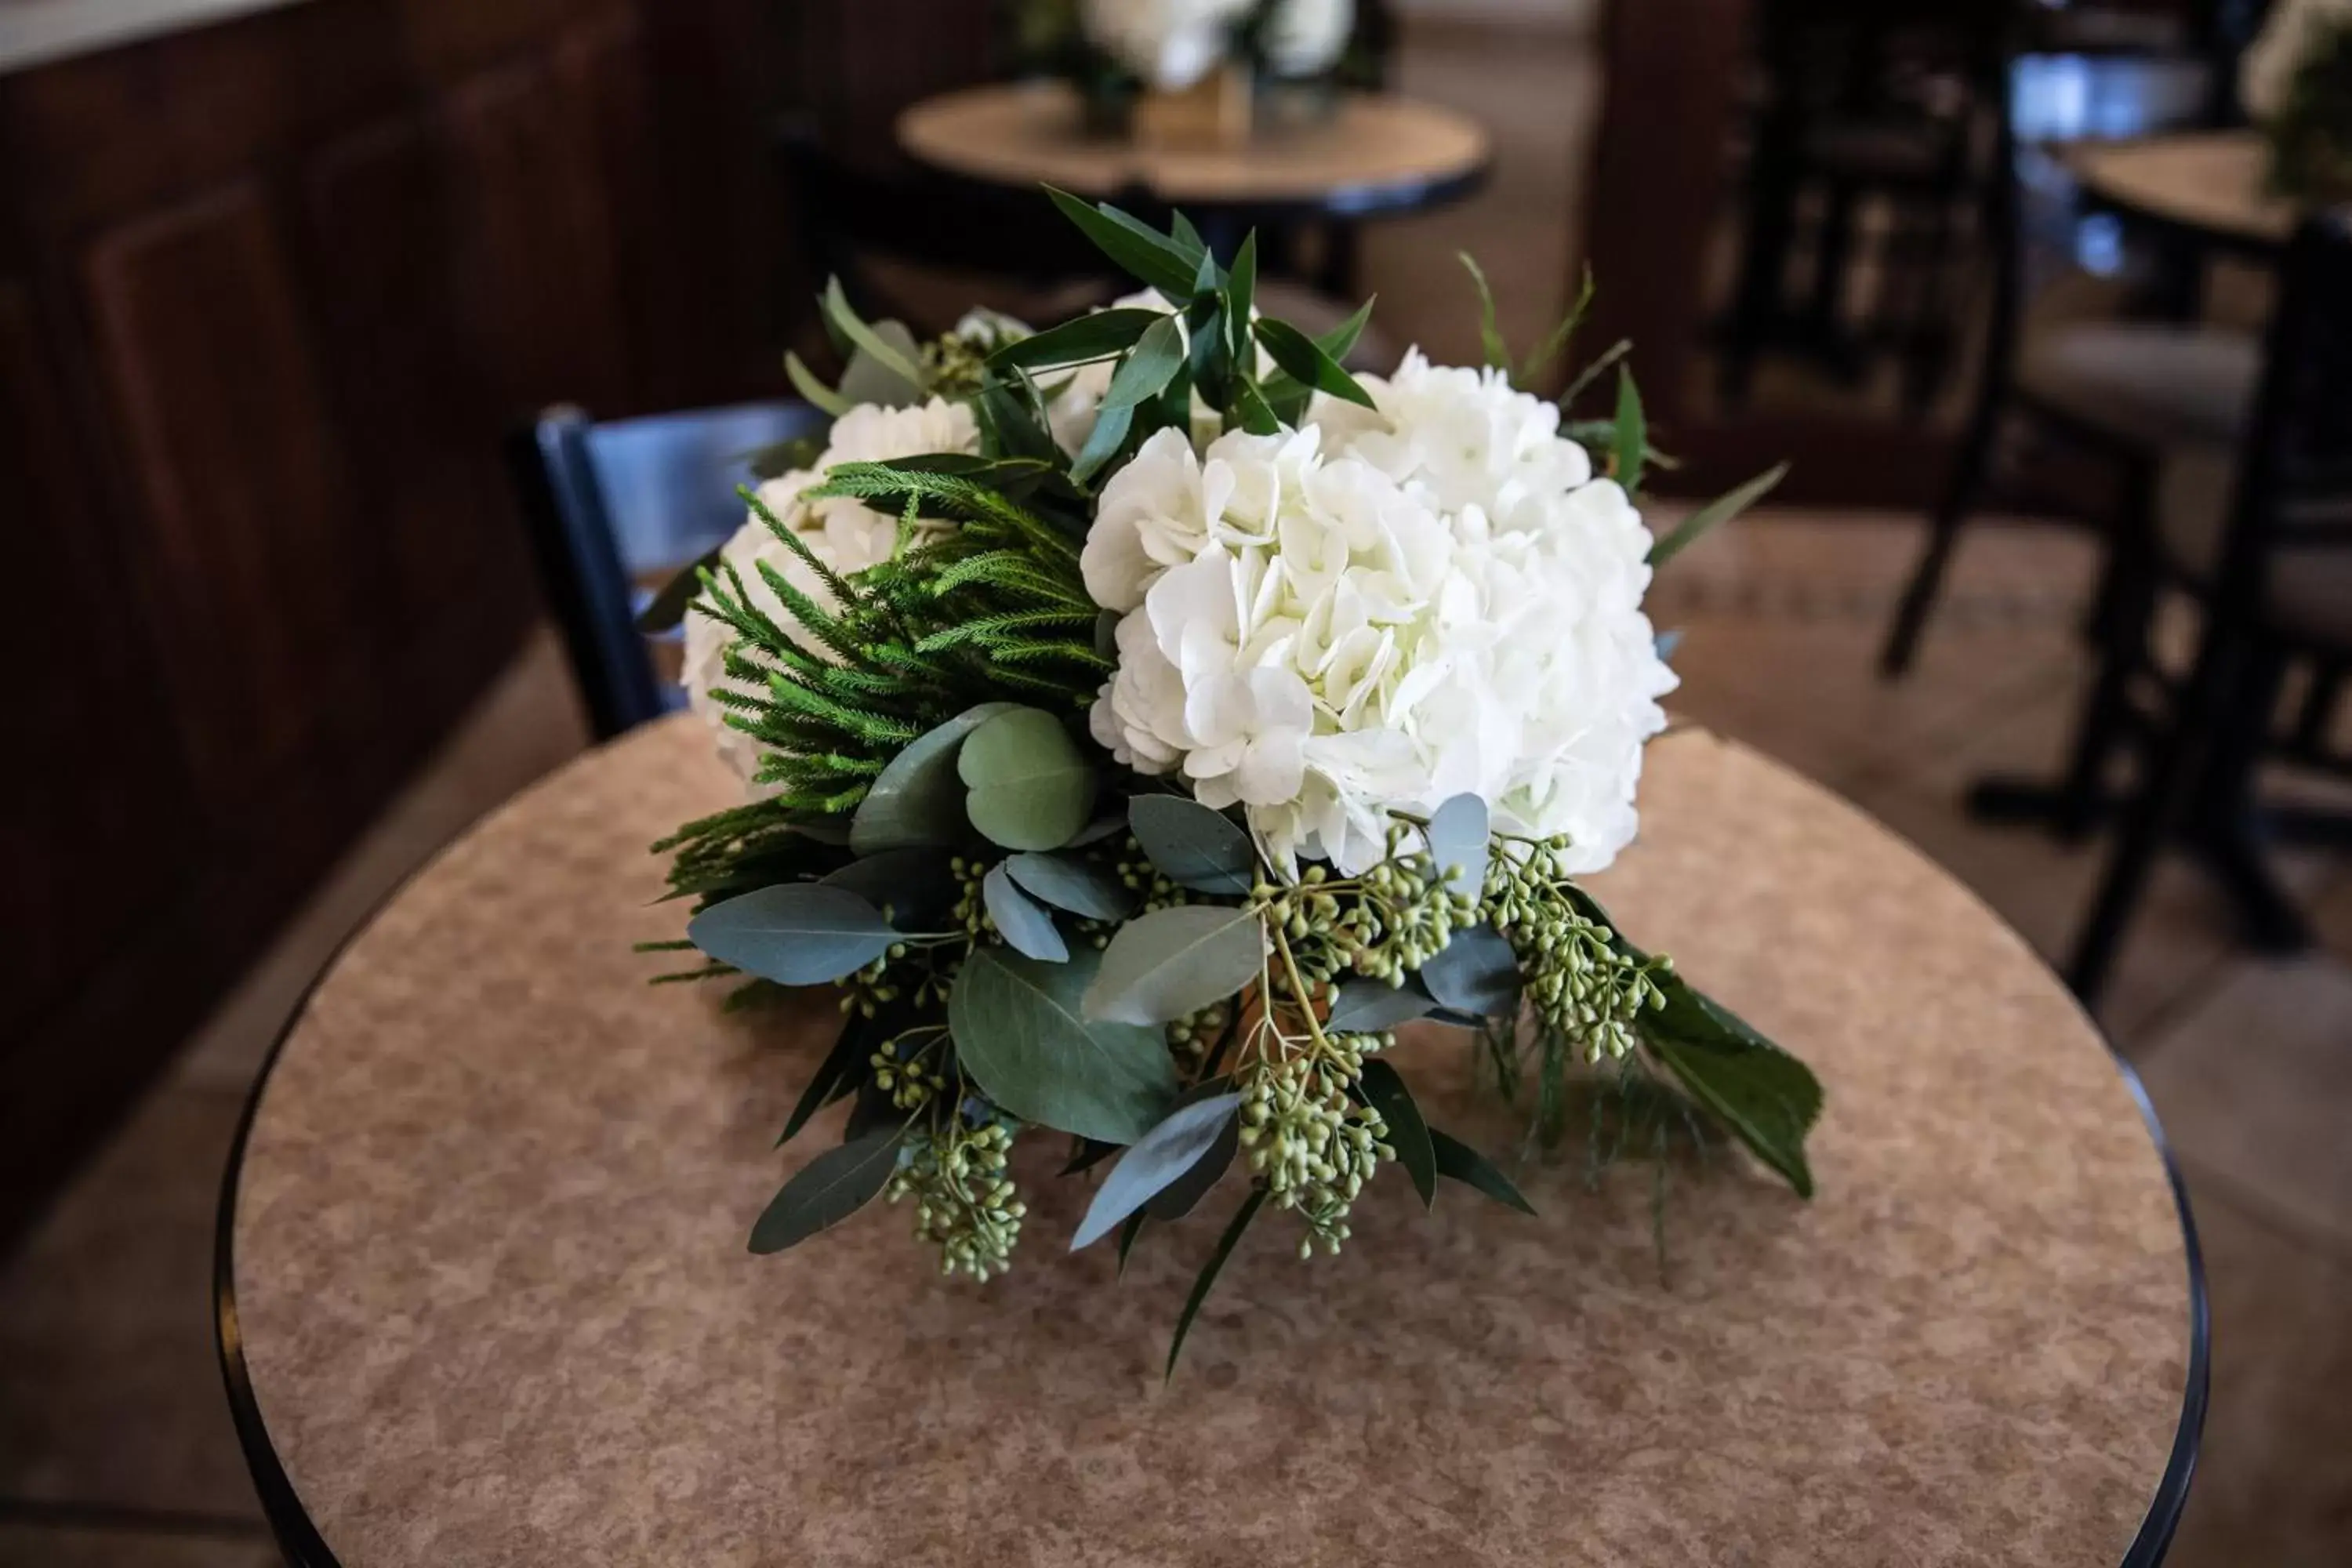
(615, 510)
(2122, 392)
(1868, 139)
(2263, 540)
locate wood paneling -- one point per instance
(272, 293)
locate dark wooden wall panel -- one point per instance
(271, 294)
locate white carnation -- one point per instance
(1306, 38)
(847, 536)
(1379, 611)
(1171, 44)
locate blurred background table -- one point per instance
(484, 1297)
(2213, 184)
(1374, 154)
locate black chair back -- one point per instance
(613, 508)
(2294, 472)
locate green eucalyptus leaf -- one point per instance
(1077, 886)
(1173, 963)
(1021, 1034)
(1458, 843)
(804, 381)
(1183, 1195)
(1208, 1276)
(915, 888)
(883, 351)
(829, 1190)
(871, 379)
(1192, 846)
(1169, 1151)
(1475, 973)
(918, 799)
(1302, 357)
(1163, 261)
(1028, 785)
(1110, 434)
(1240, 300)
(796, 933)
(1371, 1007)
(1013, 427)
(1385, 1089)
(1458, 1162)
(1713, 515)
(1025, 927)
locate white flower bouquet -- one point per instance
(1144, 718)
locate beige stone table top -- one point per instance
(1374, 150)
(2213, 181)
(490, 1290)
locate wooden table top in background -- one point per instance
(2213, 182)
(488, 1263)
(1375, 151)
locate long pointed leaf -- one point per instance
(1490, 336)
(1079, 340)
(805, 382)
(834, 1077)
(1148, 367)
(883, 352)
(1340, 341)
(1714, 515)
(1164, 262)
(829, 1190)
(1457, 1160)
(1409, 1135)
(1208, 1277)
(1160, 1157)
(1303, 358)
(1632, 446)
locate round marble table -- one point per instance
(2211, 184)
(485, 1298)
(1376, 153)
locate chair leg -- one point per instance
(2178, 764)
(2229, 831)
(1968, 475)
(2129, 595)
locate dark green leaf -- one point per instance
(1490, 336)
(1192, 846)
(1303, 358)
(1029, 786)
(829, 1190)
(796, 933)
(1072, 884)
(1026, 927)
(1457, 842)
(1287, 397)
(1014, 428)
(1181, 228)
(1477, 971)
(1022, 1035)
(1594, 370)
(1165, 263)
(1098, 335)
(836, 1077)
(1173, 963)
(916, 888)
(1340, 341)
(1183, 1195)
(1458, 1162)
(1127, 1235)
(1384, 1088)
(668, 607)
(1253, 412)
(918, 799)
(1767, 1097)
(1557, 344)
(1168, 1152)
(805, 382)
(1241, 299)
(1632, 444)
(1090, 1153)
(1713, 515)
(1207, 1279)
(1369, 1007)
(1148, 367)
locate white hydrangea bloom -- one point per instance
(847, 536)
(1171, 44)
(1382, 611)
(1306, 38)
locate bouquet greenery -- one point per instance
(1144, 718)
(2310, 134)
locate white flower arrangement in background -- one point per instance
(1172, 45)
(2291, 32)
